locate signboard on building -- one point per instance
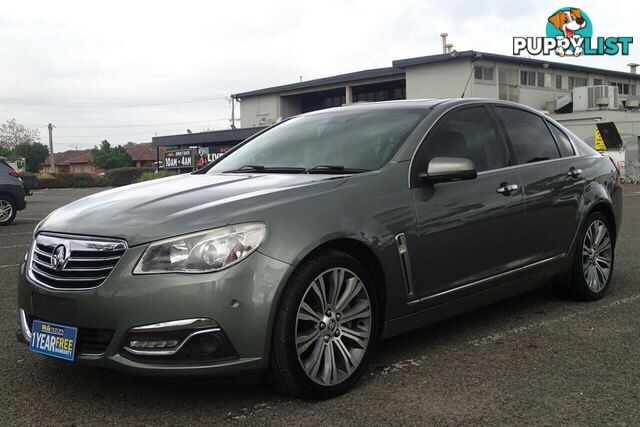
(178, 159)
(607, 137)
(208, 154)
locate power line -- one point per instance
(143, 125)
(84, 104)
(103, 135)
(161, 124)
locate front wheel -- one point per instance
(7, 210)
(325, 327)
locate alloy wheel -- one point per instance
(333, 326)
(597, 254)
(6, 210)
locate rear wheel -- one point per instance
(325, 327)
(593, 262)
(7, 210)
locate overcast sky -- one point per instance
(129, 70)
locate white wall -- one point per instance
(583, 124)
(256, 108)
(443, 80)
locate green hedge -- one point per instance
(148, 176)
(124, 176)
(69, 180)
(111, 178)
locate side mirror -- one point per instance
(444, 169)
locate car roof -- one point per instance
(418, 104)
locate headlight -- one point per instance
(202, 252)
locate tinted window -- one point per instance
(530, 137)
(4, 166)
(361, 139)
(467, 133)
(563, 142)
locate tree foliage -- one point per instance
(107, 157)
(13, 134)
(34, 153)
(4, 152)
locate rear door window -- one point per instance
(530, 138)
(564, 145)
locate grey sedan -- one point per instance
(298, 249)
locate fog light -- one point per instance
(153, 344)
(204, 344)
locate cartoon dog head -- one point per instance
(568, 21)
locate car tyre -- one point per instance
(318, 355)
(592, 267)
(7, 210)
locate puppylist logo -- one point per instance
(570, 33)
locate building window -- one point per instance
(483, 72)
(577, 82)
(598, 82)
(544, 80)
(633, 90)
(386, 91)
(623, 88)
(558, 81)
(528, 78)
(323, 99)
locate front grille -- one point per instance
(89, 340)
(72, 262)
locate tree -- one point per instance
(35, 154)
(13, 133)
(108, 157)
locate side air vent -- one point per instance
(405, 262)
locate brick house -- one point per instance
(79, 161)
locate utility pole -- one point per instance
(233, 112)
(53, 161)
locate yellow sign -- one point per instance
(599, 143)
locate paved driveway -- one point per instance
(533, 359)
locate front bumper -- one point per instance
(241, 300)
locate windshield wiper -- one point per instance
(265, 169)
(334, 169)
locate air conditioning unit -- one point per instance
(596, 98)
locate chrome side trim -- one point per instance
(405, 262)
(488, 279)
(176, 325)
(526, 165)
(24, 326)
(172, 351)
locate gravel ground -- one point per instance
(533, 359)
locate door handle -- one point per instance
(507, 189)
(574, 173)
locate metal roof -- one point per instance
(219, 137)
(476, 55)
(341, 78)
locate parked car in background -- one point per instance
(11, 193)
(29, 182)
(298, 249)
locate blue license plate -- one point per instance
(53, 340)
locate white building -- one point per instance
(536, 83)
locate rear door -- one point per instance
(467, 230)
(552, 182)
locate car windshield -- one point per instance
(344, 141)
